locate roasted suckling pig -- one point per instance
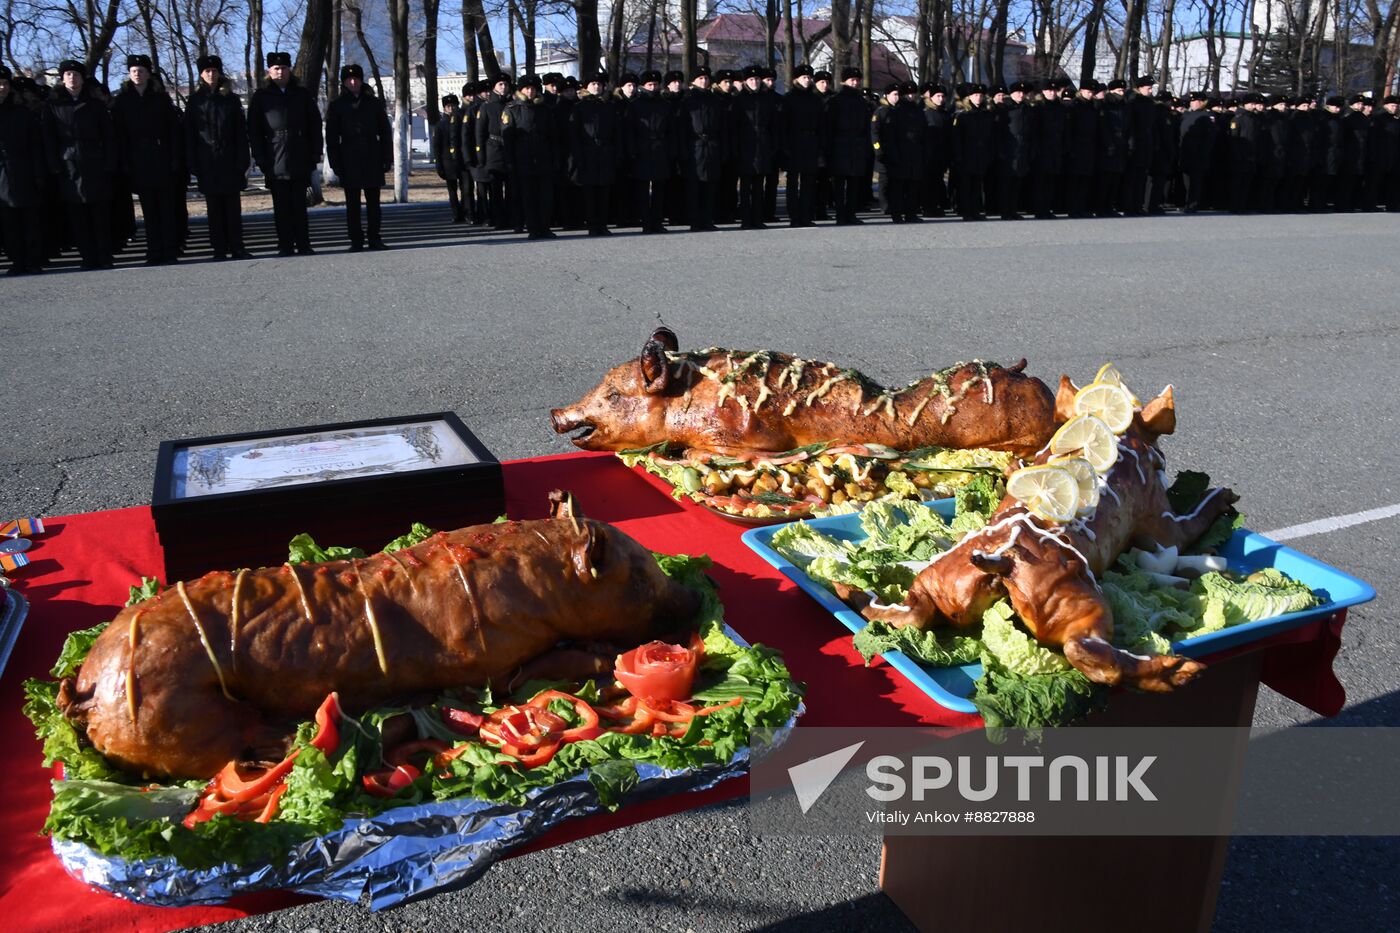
(1048, 569)
(216, 669)
(770, 433)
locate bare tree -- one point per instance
(403, 126)
(357, 18)
(430, 63)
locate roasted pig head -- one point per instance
(628, 408)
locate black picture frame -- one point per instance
(251, 527)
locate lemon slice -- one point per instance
(1051, 492)
(1107, 401)
(1110, 374)
(1089, 437)
(1084, 474)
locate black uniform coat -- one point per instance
(358, 139)
(284, 131)
(1164, 151)
(490, 144)
(80, 146)
(899, 133)
(802, 129)
(1082, 138)
(703, 134)
(938, 140)
(150, 146)
(649, 136)
(756, 122)
(216, 139)
(1197, 136)
(22, 165)
(595, 140)
(1273, 144)
(1383, 150)
(973, 129)
(846, 132)
(1015, 139)
(1244, 140)
(1112, 155)
(445, 137)
(1049, 130)
(1141, 135)
(527, 132)
(1355, 130)
(1302, 143)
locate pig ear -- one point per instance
(667, 338)
(656, 370)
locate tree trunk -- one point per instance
(1089, 63)
(315, 36)
(616, 26)
(841, 37)
(999, 18)
(867, 17)
(511, 17)
(589, 42)
(922, 46)
(357, 16)
(430, 65)
(403, 116)
(469, 47)
(481, 29)
(789, 44)
(770, 31)
(100, 33)
(525, 15)
(690, 42)
(333, 54)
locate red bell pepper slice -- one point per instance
(327, 737)
(587, 727)
(462, 721)
(387, 782)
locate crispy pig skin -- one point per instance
(1048, 571)
(460, 609)
(776, 402)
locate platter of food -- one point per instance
(764, 435)
(381, 726)
(1084, 576)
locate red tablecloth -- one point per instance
(83, 565)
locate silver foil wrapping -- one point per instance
(397, 855)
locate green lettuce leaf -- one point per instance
(912, 530)
(1219, 533)
(417, 534)
(931, 647)
(60, 740)
(1008, 700)
(889, 581)
(149, 587)
(1262, 595)
(75, 650)
(303, 549)
(978, 496)
(800, 543)
(1144, 610)
(1016, 651)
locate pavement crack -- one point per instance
(64, 475)
(602, 291)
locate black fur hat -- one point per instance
(352, 71)
(849, 73)
(205, 62)
(69, 64)
(139, 61)
(279, 58)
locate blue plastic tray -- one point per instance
(951, 686)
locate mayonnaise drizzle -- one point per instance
(131, 666)
(203, 639)
(373, 622)
(1194, 512)
(233, 618)
(301, 594)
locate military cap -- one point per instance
(1336, 100)
(205, 62)
(971, 87)
(5, 73)
(998, 89)
(801, 70)
(570, 83)
(449, 99)
(1117, 84)
(673, 77)
(936, 89)
(651, 76)
(139, 61)
(1064, 84)
(351, 71)
(627, 78)
(1021, 86)
(753, 71)
(1165, 94)
(701, 72)
(69, 64)
(551, 77)
(530, 81)
(1199, 95)
(849, 73)
(1359, 99)
(279, 58)
(1391, 99)
(822, 75)
(601, 77)
(1144, 81)
(894, 87)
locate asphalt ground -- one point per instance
(1278, 332)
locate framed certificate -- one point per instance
(235, 500)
